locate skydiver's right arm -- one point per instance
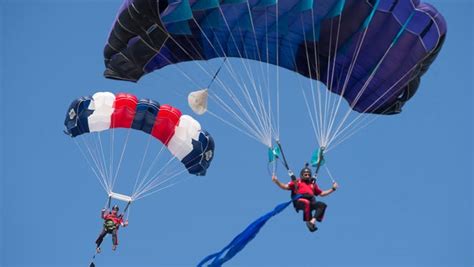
(280, 184)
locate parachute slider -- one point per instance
(120, 197)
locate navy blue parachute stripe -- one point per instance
(194, 162)
(76, 118)
(145, 115)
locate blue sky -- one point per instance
(406, 181)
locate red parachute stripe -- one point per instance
(165, 123)
(124, 110)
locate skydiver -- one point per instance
(307, 187)
(112, 222)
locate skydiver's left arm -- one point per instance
(329, 191)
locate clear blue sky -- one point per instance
(410, 205)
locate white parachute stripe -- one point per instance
(180, 145)
(103, 105)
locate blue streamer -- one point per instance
(242, 239)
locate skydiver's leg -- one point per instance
(114, 239)
(303, 204)
(320, 209)
(101, 237)
(312, 208)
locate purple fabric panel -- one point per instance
(421, 36)
(386, 85)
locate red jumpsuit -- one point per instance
(308, 202)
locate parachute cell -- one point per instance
(403, 39)
(180, 133)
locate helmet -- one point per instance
(306, 169)
(115, 207)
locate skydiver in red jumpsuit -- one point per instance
(307, 187)
(112, 222)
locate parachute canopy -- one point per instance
(381, 65)
(181, 134)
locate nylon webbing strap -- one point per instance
(283, 156)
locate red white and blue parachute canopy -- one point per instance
(181, 134)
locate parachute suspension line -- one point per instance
(141, 163)
(217, 72)
(187, 53)
(318, 132)
(346, 82)
(254, 129)
(222, 84)
(112, 146)
(100, 178)
(332, 114)
(376, 68)
(318, 85)
(260, 129)
(328, 80)
(228, 66)
(99, 158)
(265, 114)
(127, 211)
(155, 181)
(114, 179)
(234, 126)
(277, 56)
(242, 86)
(156, 187)
(344, 135)
(354, 60)
(256, 44)
(356, 128)
(148, 172)
(331, 63)
(151, 180)
(261, 112)
(272, 123)
(158, 179)
(310, 115)
(334, 109)
(329, 174)
(93, 152)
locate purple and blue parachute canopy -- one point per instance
(374, 60)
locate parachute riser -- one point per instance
(317, 160)
(285, 163)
